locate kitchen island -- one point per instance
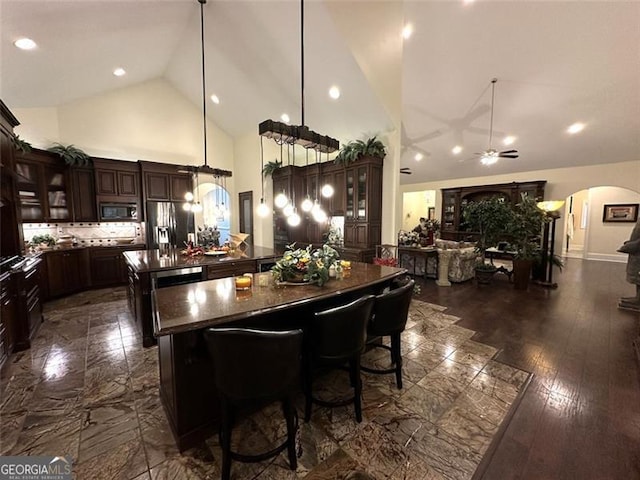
(182, 312)
(149, 269)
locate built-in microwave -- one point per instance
(118, 211)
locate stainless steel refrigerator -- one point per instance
(168, 218)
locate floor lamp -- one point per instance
(550, 208)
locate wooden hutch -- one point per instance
(455, 199)
(357, 196)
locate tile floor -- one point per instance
(88, 389)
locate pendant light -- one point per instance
(293, 219)
(262, 209)
(307, 204)
(281, 199)
(327, 189)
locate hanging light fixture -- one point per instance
(262, 209)
(205, 168)
(327, 189)
(197, 206)
(283, 133)
(307, 203)
(281, 199)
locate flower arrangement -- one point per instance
(433, 225)
(408, 238)
(306, 265)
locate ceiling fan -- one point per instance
(491, 155)
(406, 170)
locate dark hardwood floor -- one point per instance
(580, 417)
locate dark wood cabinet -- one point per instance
(231, 269)
(10, 228)
(28, 304)
(107, 265)
(8, 316)
(357, 196)
(363, 203)
(67, 271)
(454, 201)
(117, 182)
(84, 195)
(164, 182)
(290, 181)
(43, 184)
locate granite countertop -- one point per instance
(153, 260)
(59, 247)
(194, 306)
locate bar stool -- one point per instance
(255, 365)
(337, 336)
(389, 318)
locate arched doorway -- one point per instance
(216, 209)
(586, 234)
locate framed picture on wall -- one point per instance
(622, 212)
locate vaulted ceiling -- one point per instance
(556, 62)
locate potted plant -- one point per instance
(20, 144)
(350, 152)
(490, 219)
(270, 167)
(72, 155)
(525, 230)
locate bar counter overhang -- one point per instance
(181, 313)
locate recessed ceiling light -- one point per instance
(25, 44)
(456, 150)
(509, 140)
(334, 92)
(407, 31)
(467, 2)
(215, 99)
(418, 157)
(118, 72)
(285, 118)
(576, 128)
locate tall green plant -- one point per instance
(490, 218)
(526, 228)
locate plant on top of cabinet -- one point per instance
(72, 155)
(20, 144)
(271, 167)
(350, 152)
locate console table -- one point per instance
(410, 257)
(493, 253)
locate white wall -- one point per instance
(604, 238)
(248, 168)
(561, 183)
(416, 205)
(148, 121)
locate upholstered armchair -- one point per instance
(462, 259)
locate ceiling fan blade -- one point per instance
(508, 156)
(508, 151)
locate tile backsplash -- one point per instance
(87, 233)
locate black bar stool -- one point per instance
(255, 365)
(389, 318)
(337, 336)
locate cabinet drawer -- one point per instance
(230, 269)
